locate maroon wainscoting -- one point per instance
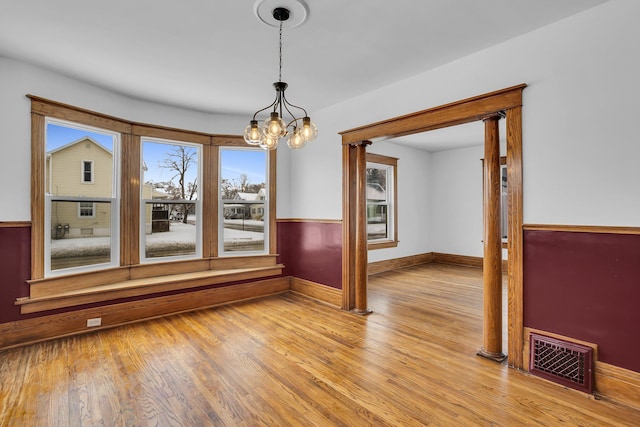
(312, 250)
(15, 269)
(586, 286)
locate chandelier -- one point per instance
(299, 130)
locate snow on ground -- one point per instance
(179, 233)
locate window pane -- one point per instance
(80, 197)
(79, 162)
(86, 210)
(243, 190)
(377, 221)
(377, 203)
(170, 171)
(79, 241)
(170, 176)
(168, 231)
(243, 226)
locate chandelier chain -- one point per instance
(280, 55)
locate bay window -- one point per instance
(118, 203)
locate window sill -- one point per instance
(125, 282)
(382, 244)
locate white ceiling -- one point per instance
(217, 56)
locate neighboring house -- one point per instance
(157, 213)
(82, 168)
(246, 210)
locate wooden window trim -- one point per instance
(389, 161)
(201, 271)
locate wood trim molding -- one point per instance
(391, 241)
(515, 272)
(155, 131)
(143, 279)
(210, 157)
(454, 113)
(273, 225)
(611, 382)
(47, 107)
(396, 263)
(583, 228)
(382, 244)
(326, 294)
(319, 221)
(469, 261)
(42, 328)
(130, 200)
(408, 261)
(617, 384)
(37, 195)
(15, 224)
(142, 286)
(509, 101)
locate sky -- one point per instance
(234, 161)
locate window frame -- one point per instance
(128, 266)
(83, 172)
(268, 213)
(49, 199)
(80, 208)
(390, 163)
(143, 202)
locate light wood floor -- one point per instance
(290, 361)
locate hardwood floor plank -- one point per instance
(287, 360)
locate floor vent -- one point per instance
(562, 362)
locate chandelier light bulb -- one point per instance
(252, 133)
(269, 142)
(296, 140)
(274, 126)
(309, 129)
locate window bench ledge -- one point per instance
(142, 286)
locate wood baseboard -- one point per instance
(43, 328)
(396, 263)
(612, 383)
(326, 294)
(618, 384)
(582, 228)
(470, 261)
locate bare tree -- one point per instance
(178, 161)
(244, 181)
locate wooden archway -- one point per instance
(507, 102)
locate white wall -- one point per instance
(414, 197)
(19, 79)
(456, 203)
(580, 141)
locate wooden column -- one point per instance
(492, 264)
(360, 204)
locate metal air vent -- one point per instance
(562, 362)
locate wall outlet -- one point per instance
(94, 322)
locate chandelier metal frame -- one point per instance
(303, 130)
